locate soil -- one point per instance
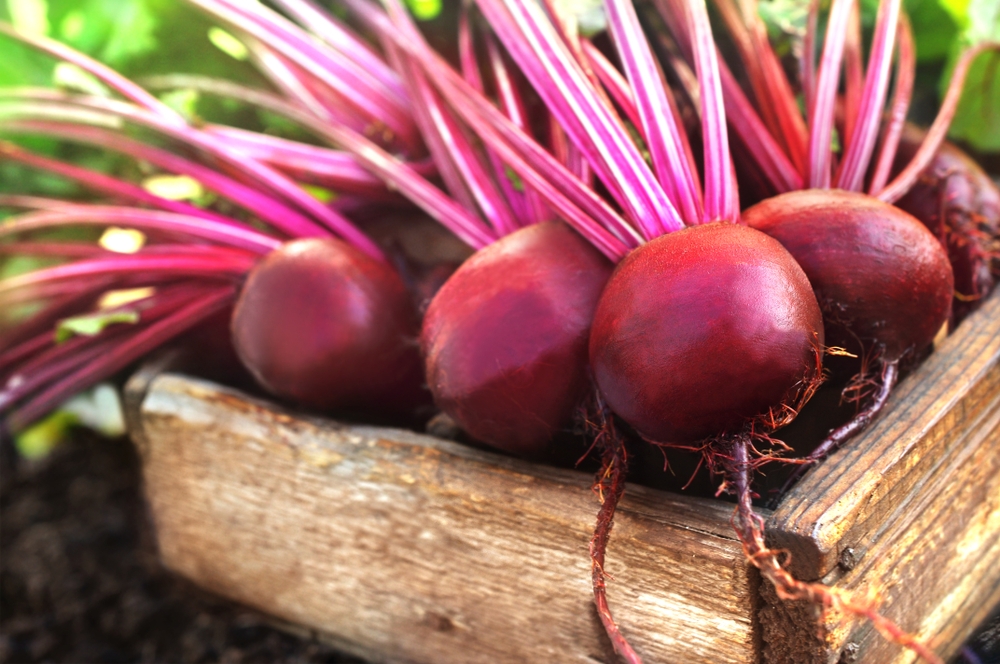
(80, 580)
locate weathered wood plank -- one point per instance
(939, 573)
(936, 569)
(402, 547)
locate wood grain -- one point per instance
(406, 548)
(909, 512)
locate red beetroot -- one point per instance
(700, 331)
(960, 205)
(879, 275)
(322, 323)
(882, 279)
(505, 339)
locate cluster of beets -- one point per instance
(614, 269)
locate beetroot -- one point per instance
(879, 275)
(704, 329)
(882, 279)
(322, 323)
(505, 339)
(960, 205)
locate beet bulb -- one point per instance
(881, 278)
(700, 331)
(879, 275)
(505, 339)
(960, 205)
(326, 325)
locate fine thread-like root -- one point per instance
(857, 424)
(609, 486)
(750, 531)
(837, 437)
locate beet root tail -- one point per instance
(750, 531)
(610, 486)
(854, 426)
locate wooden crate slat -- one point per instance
(936, 569)
(402, 547)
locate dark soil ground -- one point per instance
(80, 581)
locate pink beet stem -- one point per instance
(861, 140)
(118, 355)
(906, 71)
(821, 120)
(938, 129)
(229, 234)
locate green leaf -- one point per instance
(72, 25)
(934, 28)
(977, 121)
(228, 44)
(113, 31)
(99, 409)
(21, 65)
(38, 440)
(30, 16)
(424, 10)
(184, 101)
(321, 194)
(515, 179)
(132, 31)
(784, 17)
(92, 324)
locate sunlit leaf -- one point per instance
(99, 409)
(93, 324)
(71, 77)
(588, 15)
(228, 44)
(959, 10)
(424, 10)
(174, 187)
(120, 297)
(122, 240)
(38, 440)
(30, 16)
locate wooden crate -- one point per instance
(404, 548)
